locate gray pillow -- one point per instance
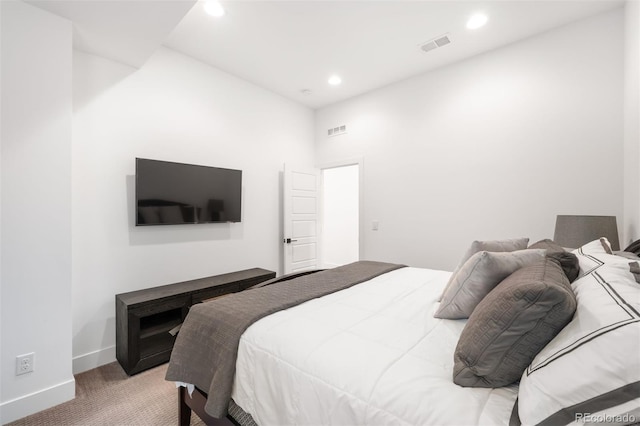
(494, 246)
(550, 245)
(478, 276)
(568, 262)
(634, 268)
(512, 324)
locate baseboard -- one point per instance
(94, 359)
(37, 401)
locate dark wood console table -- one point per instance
(147, 320)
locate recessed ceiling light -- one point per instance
(214, 8)
(476, 21)
(334, 80)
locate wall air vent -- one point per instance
(434, 43)
(336, 131)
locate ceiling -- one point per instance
(125, 31)
(293, 46)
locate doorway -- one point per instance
(340, 232)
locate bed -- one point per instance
(373, 353)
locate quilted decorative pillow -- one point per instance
(593, 364)
(493, 246)
(549, 245)
(478, 276)
(512, 324)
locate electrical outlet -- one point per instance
(24, 363)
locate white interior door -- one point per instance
(301, 215)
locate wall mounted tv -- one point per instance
(170, 193)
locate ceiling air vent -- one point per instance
(429, 46)
(440, 41)
(336, 131)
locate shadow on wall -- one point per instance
(164, 234)
(94, 76)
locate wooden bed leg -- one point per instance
(195, 403)
(184, 411)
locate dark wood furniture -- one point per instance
(196, 401)
(147, 320)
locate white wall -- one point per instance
(35, 209)
(178, 109)
(631, 225)
(491, 147)
(340, 216)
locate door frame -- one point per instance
(359, 161)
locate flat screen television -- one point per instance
(170, 193)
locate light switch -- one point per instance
(374, 225)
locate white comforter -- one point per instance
(369, 355)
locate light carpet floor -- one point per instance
(107, 396)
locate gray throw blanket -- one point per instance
(206, 349)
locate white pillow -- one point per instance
(593, 364)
